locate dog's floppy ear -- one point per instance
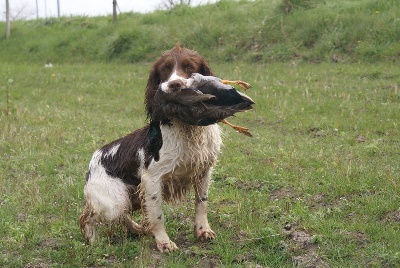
(152, 85)
(205, 69)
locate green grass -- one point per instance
(252, 31)
(318, 184)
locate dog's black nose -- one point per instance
(175, 85)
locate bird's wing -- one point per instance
(203, 81)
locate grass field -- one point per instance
(316, 186)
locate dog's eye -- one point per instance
(189, 69)
(166, 68)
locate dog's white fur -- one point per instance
(186, 158)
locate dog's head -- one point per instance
(171, 70)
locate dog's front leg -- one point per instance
(202, 230)
(154, 218)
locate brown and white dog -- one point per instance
(124, 175)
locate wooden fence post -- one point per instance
(115, 11)
(8, 25)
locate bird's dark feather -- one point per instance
(208, 102)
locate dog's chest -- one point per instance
(189, 151)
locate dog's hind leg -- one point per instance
(107, 201)
(87, 223)
(202, 230)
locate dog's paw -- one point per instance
(204, 234)
(167, 247)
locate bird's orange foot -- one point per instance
(242, 84)
(243, 130)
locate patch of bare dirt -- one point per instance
(51, 243)
(267, 160)
(282, 193)
(361, 138)
(319, 201)
(359, 238)
(392, 217)
(208, 262)
(302, 238)
(317, 132)
(244, 257)
(22, 217)
(250, 185)
(304, 243)
(246, 260)
(309, 260)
